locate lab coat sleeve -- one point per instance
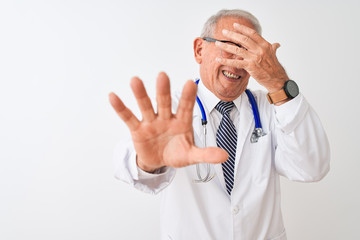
(127, 170)
(302, 148)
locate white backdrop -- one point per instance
(60, 59)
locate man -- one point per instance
(241, 201)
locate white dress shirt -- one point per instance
(295, 146)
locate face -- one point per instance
(227, 83)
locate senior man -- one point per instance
(240, 199)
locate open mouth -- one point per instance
(230, 75)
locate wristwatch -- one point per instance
(289, 91)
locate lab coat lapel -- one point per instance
(246, 120)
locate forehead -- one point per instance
(227, 23)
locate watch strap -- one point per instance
(277, 96)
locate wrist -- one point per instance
(276, 87)
(145, 167)
(277, 84)
(289, 91)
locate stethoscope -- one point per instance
(256, 134)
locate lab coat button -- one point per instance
(235, 210)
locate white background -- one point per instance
(60, 59)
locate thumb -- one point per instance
(207, 155)
(275, 46)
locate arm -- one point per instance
(161, 139)
(302, 148)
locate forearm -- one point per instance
(302, 152)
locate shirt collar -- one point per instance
(209, 100)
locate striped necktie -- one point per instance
(226, 138)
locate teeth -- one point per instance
(230, 75)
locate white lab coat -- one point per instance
(295, 146)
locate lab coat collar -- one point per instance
(210, 100)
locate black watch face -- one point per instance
(292, 90)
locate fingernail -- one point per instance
(218, 59)
(236, 25)
(224, 31)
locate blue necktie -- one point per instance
(226, 138)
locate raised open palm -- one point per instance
(163, 138)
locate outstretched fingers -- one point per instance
(187, 101)
(163, 96)
(124, 113)
(142, 99)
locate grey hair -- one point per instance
(210, 25)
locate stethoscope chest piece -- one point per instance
(258, 131)
(256, 134)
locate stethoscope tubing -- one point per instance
(258, 132)
(251, 100)
(254, 108)
(202, 110)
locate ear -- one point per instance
(198, 46)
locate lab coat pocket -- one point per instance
(281, 236)
(261, 155)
